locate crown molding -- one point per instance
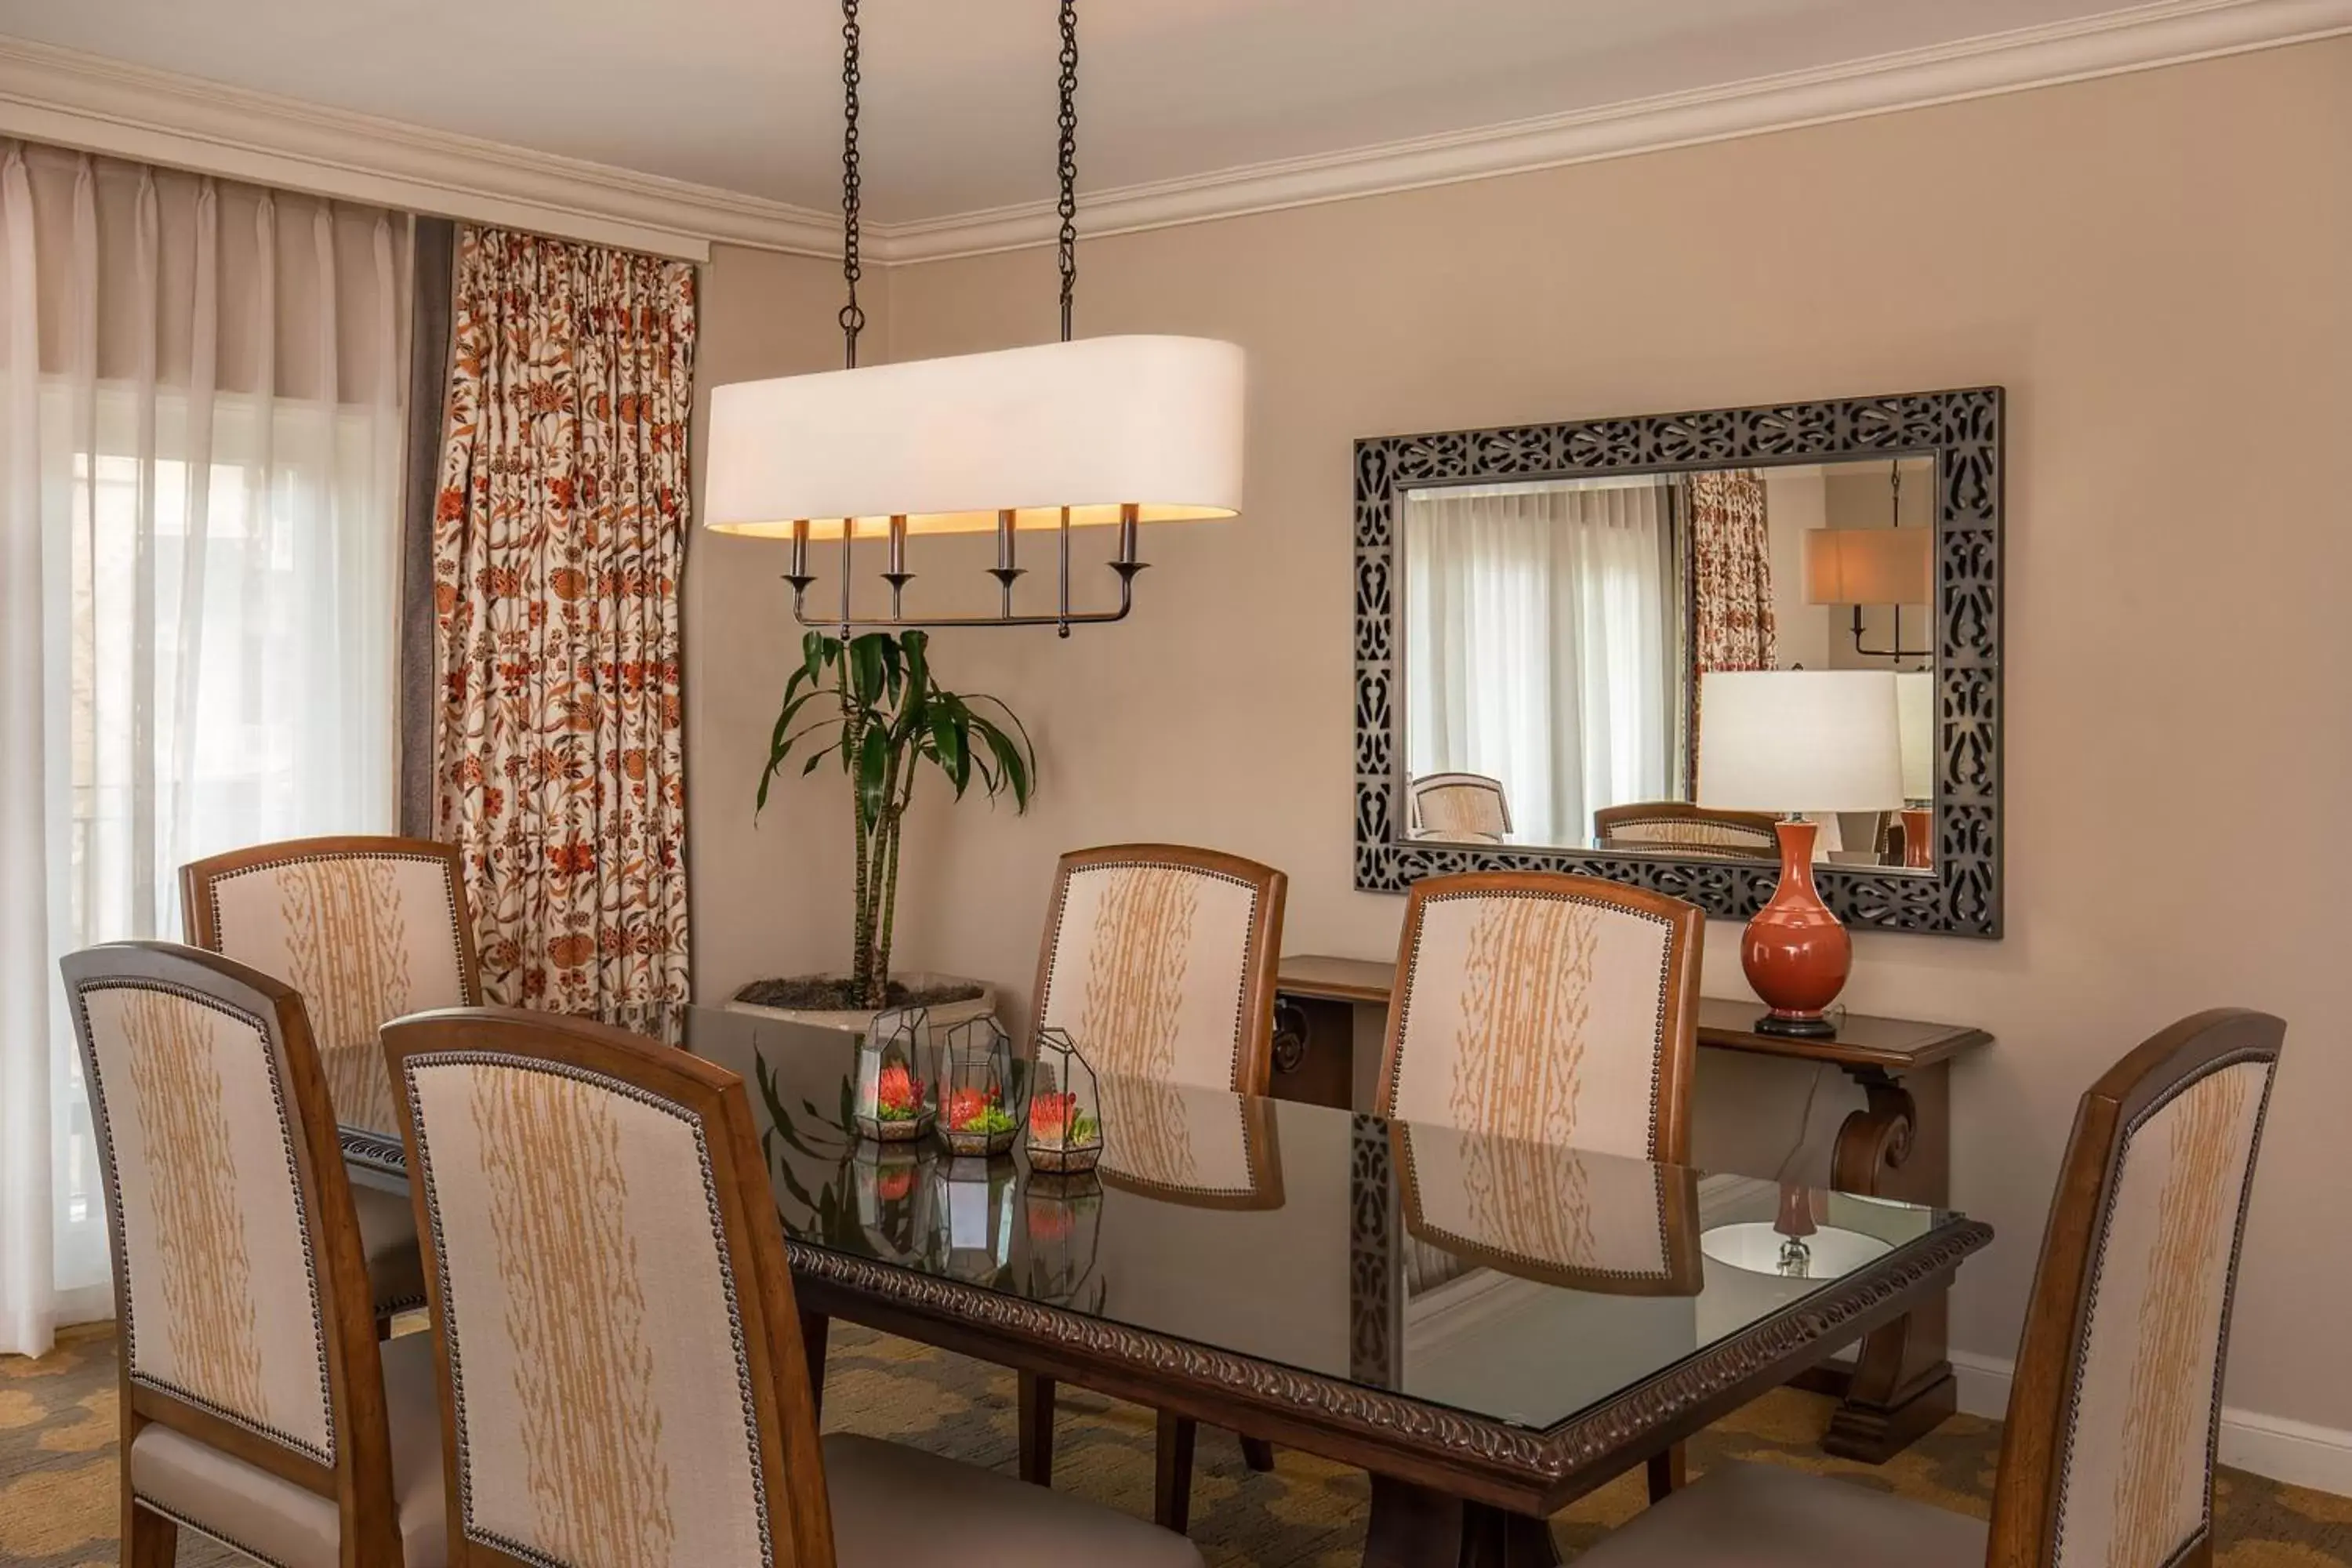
(100, 105)
(2143, 37)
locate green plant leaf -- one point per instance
(947, 747)
(1011, 769)
(893, 664)
(816, 652)
(873, 770)
(866, 668)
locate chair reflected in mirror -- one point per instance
(1689, 831)
(1455, 808)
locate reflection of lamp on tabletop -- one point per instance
(1787, 741)
(1801, 1209)
(1892, 565)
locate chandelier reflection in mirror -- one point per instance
(1112, 432)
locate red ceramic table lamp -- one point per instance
(1789, 741)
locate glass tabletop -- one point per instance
(1523, 1283)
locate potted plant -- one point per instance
(869, 702)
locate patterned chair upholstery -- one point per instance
(257, 1405)
(1691, 831)
(1550, 1008)
(1468, 807)
(624, 1373)
(2107, 1455)
(366, 929)
(1158, 961)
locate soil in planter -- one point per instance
(829, 993)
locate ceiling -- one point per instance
(959, 94)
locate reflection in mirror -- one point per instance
(1555, 631)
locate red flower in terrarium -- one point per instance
(892, 1186)
(1049, 1116)
(898, 1090)
(965, 1107)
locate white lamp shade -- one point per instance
(1094, 425)
(1914, 699)
(1869, 566)
(1800, 740)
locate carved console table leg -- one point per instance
(1896, 1146)
(1313, 1051)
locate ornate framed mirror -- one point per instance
(1535, 605)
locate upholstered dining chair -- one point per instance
(257, 1405)
(1469, 807)
(1158, 960)
(1687, 830)
(366, 929)
(2107, 1454)
(1551, 1009)
(621, 1370)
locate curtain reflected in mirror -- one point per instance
(1555, 631)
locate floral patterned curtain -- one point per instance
(1732, 624)
(558, 540)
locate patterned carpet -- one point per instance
(57, 1499)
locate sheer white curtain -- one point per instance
(200, 390)
(1540, 624)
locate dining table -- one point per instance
(1489, 1326)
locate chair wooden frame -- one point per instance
(791, 1460)
(1678, 1037)
(2024, 1532)
(1422, 783)
(200, 914)
(1608, 819)
(360, 1480)
(1253, 1046)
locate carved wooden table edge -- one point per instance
(1475, 1459)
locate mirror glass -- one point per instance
(1555, 631)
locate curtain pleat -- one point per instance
(200, 601)
(559, 540)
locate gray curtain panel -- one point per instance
(429, 385)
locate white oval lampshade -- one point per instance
(1869, 566)
(1093, 425)
(1800, 740)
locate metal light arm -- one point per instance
(1005, 571)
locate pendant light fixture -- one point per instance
(1114, 431)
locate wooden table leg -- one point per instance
(1413, 1527)
(1669, 1473)
(1034, 1402)
(813, 1333)
(1902, 1384)
(1171, 1483)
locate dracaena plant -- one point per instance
(870, 704)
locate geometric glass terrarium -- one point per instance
(1064, 1131)
(1064, 1216)
(891, 1101)
(972, 1216)
(978, 1115)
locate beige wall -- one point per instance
(2155, 266)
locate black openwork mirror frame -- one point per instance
(1960, 430)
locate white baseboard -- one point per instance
(2296, 1452)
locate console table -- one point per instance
(1897, 1145)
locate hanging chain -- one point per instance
(852, 319)
(1069, 164)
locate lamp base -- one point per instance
(1796, 952)
(1791, 1029)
